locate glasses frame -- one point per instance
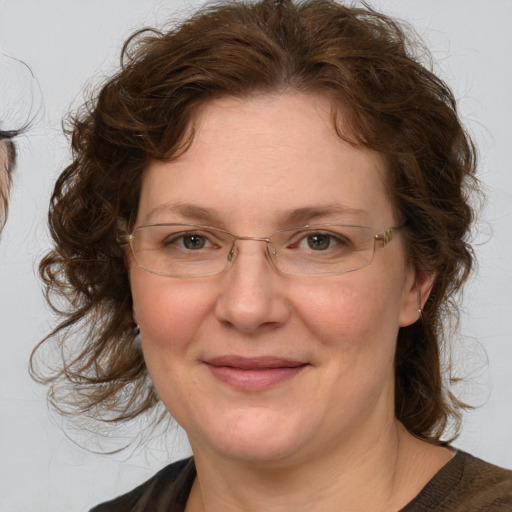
(383, 238)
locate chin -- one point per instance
(262, 439)
(259, 451)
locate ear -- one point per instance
(417, 290)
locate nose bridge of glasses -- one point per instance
(255, 238)
(234, 249)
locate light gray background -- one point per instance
(68, 42)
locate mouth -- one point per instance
(254, 374)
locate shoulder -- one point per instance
(487, 484)
(466, 483)
(170, 486)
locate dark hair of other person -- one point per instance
(393, 104)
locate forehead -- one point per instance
(260, 156)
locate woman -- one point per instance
(264, 227)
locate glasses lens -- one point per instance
(181, 250)
(323, 250)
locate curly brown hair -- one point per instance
(395, 105)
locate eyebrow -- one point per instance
(310, 213)
(295, 216)
(187, 211)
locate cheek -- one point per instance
(349, 305)
(167, 310)
(352, 312)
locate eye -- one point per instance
(321, 241)
(189, 241)
(194, 241)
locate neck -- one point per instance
(383, 474)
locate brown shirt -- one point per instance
(465, 484)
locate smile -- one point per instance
(254, 374)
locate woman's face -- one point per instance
(218, 348)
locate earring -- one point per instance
(420, 313)
(136, 330)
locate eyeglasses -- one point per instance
(191, 250)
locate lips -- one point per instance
(254, 374)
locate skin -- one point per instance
(328, 435)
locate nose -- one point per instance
(253, 293)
